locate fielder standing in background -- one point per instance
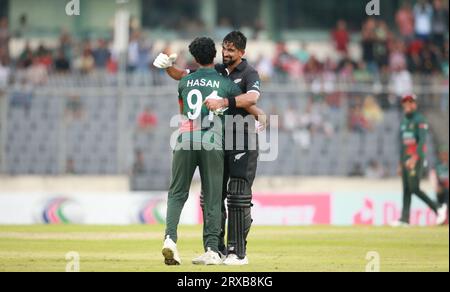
(413, 131)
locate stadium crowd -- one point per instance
(418, 45)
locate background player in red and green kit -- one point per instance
(414, 129)
(200, 144)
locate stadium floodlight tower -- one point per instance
(121, 40)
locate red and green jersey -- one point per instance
(194, 90)
(414, 130)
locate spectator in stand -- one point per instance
(313, 68)
(133, 52)
(415, 56)
(283, 61)
(341, 37)
(62, 64)
(346, 68)
(101, 54)
(372, 112)
(423, 14)
(439, 24)
(66, 44)
(381, 45)
(147, 120)
(85, 63)
(302, 54)
(369, 38)
(37, 73)
(144, 56)
(26, 57)
(45, 56)
(397, 57)
(405, 22)
(430, 61)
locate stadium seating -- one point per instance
(46, 136)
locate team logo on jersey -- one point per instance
(256, 85)
(237, 81)
(239, 156)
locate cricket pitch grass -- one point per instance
(271, 249)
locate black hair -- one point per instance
(203, 50)
(237, 38)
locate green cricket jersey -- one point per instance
(193, 91)
(414, 130)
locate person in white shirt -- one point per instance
(423, 13)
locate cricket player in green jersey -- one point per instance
(414, 129)
(200, 144)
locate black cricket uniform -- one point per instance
(240, 164)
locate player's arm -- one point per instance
(259, 115)
(166, 62)
(176, 74)
(245, 100)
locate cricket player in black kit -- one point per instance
(241, 160)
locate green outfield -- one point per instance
(271, 249)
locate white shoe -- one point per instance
(199, 260)
(210, 258)
(233, 260)
(203, 258)
(397, 224)
(170, 253)
(442, 215)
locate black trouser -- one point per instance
(240, 165)
(239, 175)
(411, 186)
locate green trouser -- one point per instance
(211, 164)
(411, 186)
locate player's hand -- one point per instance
(411, 164)
(163, 61)
(215, 104)
(261, 123)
